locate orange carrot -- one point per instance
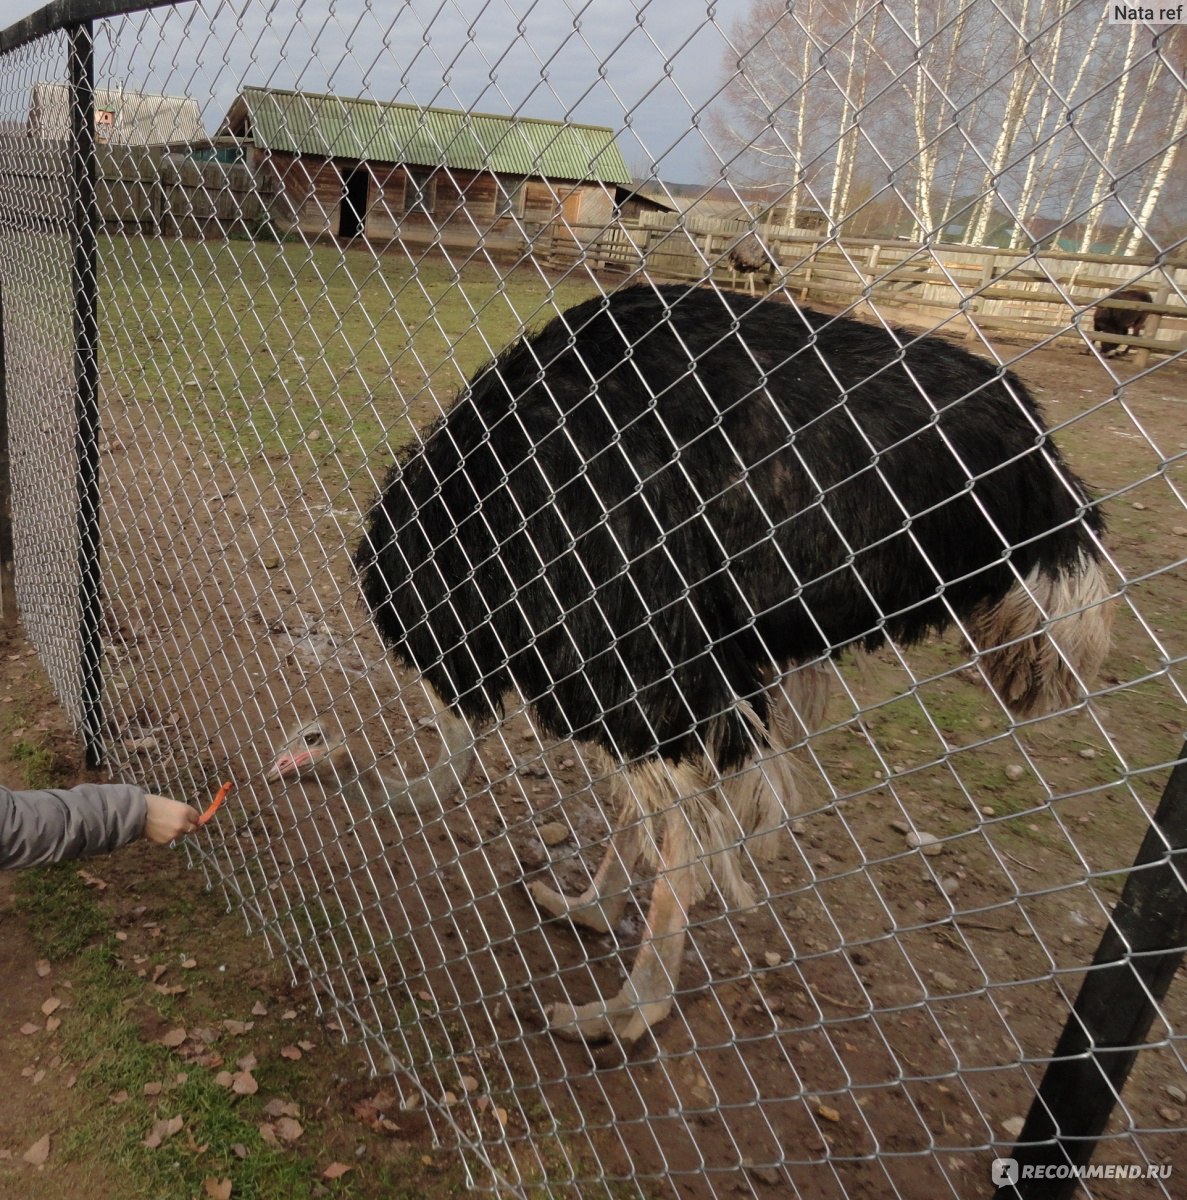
(216, 803)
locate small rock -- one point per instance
(1169, 1113)
(1015, 771)
(945, 982)
(987, 810)
(1179, 530)
(772, 959)
(768, 1175)
(900, 827)
(1088, 752)
(531, 854)
(1013, 1126)
(949, 885)
(927, 842)
(553, 833)
(1139, 506)
(1176, 1093)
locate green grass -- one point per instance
(261, 351)
(105, 1038)
(38, 764)
(221, 1136)
(62, 915)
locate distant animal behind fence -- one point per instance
(749, 256)
(1127, 321)
(656, 520)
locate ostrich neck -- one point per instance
(428, 792)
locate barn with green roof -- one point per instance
(348, 168)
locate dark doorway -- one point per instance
(353, 209)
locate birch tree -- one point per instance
(1023, 80)
(768, 127)
(1168, 87)
(945, 106)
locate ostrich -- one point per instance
(749, 255)
(659, 517)
(1127, 321)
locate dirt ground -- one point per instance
(188, 964)
(874, 1026)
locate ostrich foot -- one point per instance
(624, 1017)
(590, 910)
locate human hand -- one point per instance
(168, 819)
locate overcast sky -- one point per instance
(643, 68)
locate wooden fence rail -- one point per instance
(1046, 295)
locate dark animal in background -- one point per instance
(1127, 321)
(750, 255)
(657, 518)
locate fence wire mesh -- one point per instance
(703, 556)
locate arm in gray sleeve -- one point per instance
(46, 827)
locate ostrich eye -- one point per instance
(314, 737)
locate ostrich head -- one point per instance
(316, 747)
(319, 749)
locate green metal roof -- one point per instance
(338, 127)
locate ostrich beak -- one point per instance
(288, 766)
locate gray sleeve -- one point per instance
(47, 827)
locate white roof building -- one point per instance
(122, 118)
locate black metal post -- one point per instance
(7, 571)
(1129, 978)
(86, 375)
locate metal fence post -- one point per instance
(7, 572)
(86, 372)
(1137, 958)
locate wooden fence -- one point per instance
(1048, 295)
(145, 189)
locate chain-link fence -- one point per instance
(741, 661)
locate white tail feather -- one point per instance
(1045, 640)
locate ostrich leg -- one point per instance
(601, 905)
(647, 995)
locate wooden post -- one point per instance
(868, 275)
(1129, 978)
(974, 305)
(1142, 358)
